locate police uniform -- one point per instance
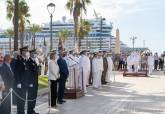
(32, 91)
(24, 81)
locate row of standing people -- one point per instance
(94, 68)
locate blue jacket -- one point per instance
(64, 72)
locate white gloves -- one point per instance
(31, 85)
(19, 86)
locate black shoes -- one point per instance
(55, 106)
(61, 101)
(33, 113)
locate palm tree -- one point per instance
(83, 30)
(12, 13)
(22, 17)
(10, 34)
(76, 8)
(34, 29)
(63, 36)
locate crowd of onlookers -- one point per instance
(159, 61)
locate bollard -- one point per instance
(49, 96)
(26, 103)
(82, 80)
(75, 80)
(11, 98)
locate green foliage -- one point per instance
(34, 28)
(9, 33)
(23, 13)
(63, 35)
(84, 28)
(77, 6)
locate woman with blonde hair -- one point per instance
(53, 75)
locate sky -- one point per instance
(144, 19)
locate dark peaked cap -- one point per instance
(83, 52)
(33, 51)
(25, 48)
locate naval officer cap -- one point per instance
(25, 48)
(83, 52)
(71, 51)
(33, 51)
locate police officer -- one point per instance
(32, 92)
(24, 80)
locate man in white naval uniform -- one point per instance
(88, 69)
(100, 68)
(150, 62)
(83, 71)
(129, 63)
(136, 60)
(73, 67)
(110, 68)
(95, 71)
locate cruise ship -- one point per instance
(100, 34)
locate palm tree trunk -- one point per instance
(34, 42)
(77, 46)
(16, 2)
(10, 45)
(22, 39)
(60, 47)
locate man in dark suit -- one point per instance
(8, 79)
(64, 72)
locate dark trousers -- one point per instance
(5, 107)
(120, 65)
(32, 95)
(20, 102)
(156, 64)
(90, 78)
(14, 96)
(103, 77)
(61, 89)
(53, 86)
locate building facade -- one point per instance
(100, 36)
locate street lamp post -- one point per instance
(51, 9)
(133, 41)
(101, 27)
(110, 43)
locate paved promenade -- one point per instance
(128, 95)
